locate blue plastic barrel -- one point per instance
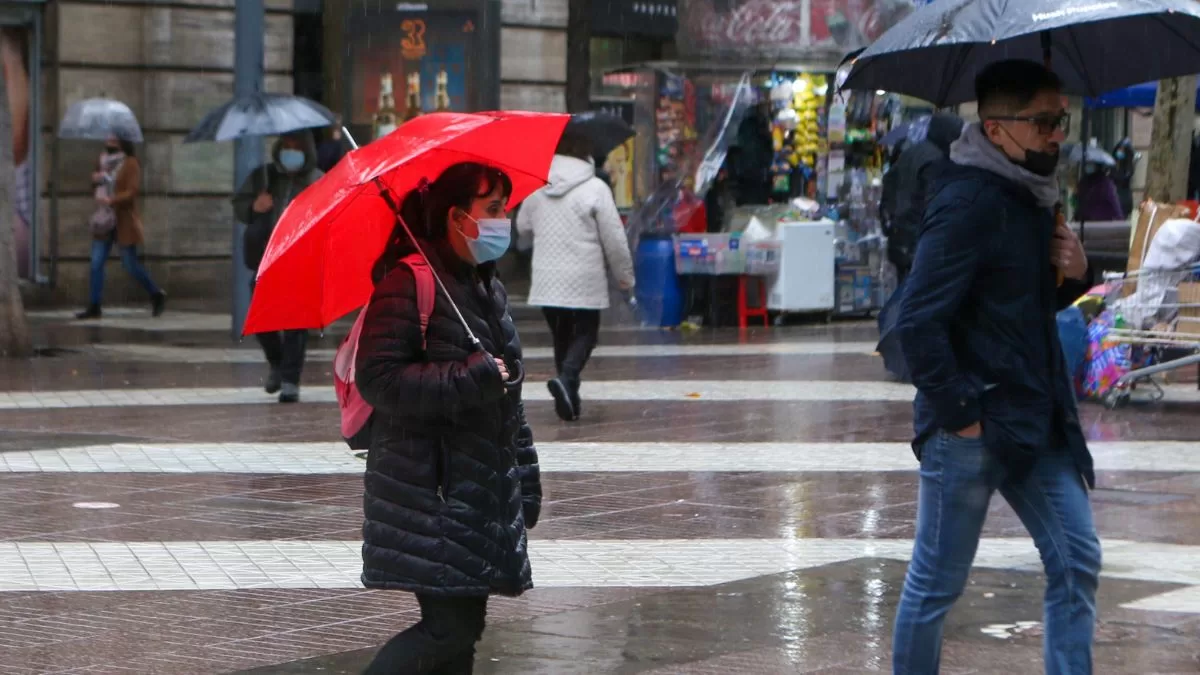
(659, 294)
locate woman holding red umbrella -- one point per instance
(452, 480)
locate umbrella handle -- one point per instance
(516, 372)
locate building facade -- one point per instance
(171, 63)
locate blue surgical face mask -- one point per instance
(291, 160)
(495, 235)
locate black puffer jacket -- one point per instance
(452, 479)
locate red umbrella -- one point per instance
(317, 267)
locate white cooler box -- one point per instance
(804, 282)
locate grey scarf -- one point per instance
(974, 149)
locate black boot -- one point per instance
(576, 401)
(92, 312)
(158, 303)
(273, 383)
(563, 406)
(290, 393)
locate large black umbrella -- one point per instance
(260, 115)
(1095, 46)
(606, 131)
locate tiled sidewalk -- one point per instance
(729, 504)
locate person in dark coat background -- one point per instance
(1123, 173)
(995, 408)
(906, 185)
(1098, 199)
(452, 480)
(259, 203)
(756, 151)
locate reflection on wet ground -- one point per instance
(830, 619)
(244, 482)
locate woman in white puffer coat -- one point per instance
(578, 240)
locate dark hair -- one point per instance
(426, 209)
(1005, 87)
(127, 147)
(575, 145)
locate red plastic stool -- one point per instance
(745, 311)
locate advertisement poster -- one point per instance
(402, 43)
(784, 28)
(14, 57)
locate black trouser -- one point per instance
(576, 332)
(285, 352)
(441, 643)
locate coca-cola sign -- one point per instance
(754, 22)
(784, 28)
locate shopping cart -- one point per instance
(1157, 313)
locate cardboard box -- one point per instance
(1189, 317)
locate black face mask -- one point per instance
(1040, 163)
(1035, 162)
(111, 150)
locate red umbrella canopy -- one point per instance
(317, 267)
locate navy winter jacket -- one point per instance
(977, 322)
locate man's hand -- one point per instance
(104, 201)
(973, 431)
(503, 369)
(263, 203)
(1066, 252)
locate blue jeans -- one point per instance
(100, 250)
(958, 477)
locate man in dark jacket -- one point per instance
(994, 408)
(905, 187)
(260, 202)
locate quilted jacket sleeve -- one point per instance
(391, 372)
(527, 468)
(612, 237)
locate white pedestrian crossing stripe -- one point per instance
(615, 390)
(194, 355)
(336, 458)
(268, 564)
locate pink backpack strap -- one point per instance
(426, 290)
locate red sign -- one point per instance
(786, 27)
(763, 23)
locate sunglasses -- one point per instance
(1046, 123)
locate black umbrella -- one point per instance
(606, 131)
(260, 115)
(1095, 46)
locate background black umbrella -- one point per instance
(260, 115)
(1095, 46)
(605, 131)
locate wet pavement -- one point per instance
(729, 504)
